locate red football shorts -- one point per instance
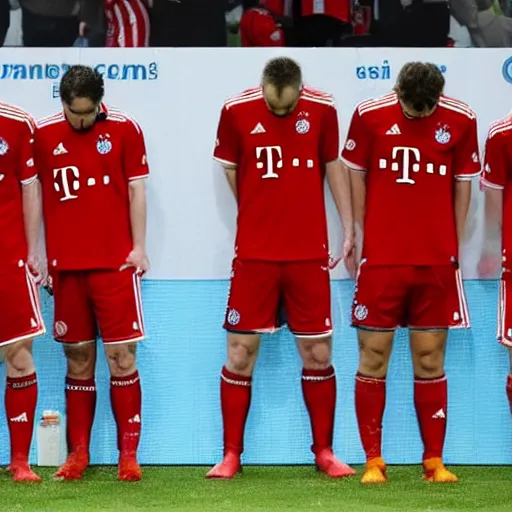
(259, 289)
(504, 333)
(88, 300)
(426, 297)
(21, 317)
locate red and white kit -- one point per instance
(128, 23)
(19, 295)
(259, 28)
(281, 243)
(85, 179)
(409, 274)
(497, 175)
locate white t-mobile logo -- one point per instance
(64, 184)
(266, 155)
(408, 163)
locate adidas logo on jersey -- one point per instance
(60, 150)
(394, 130)
(22, 418)
(258, 129)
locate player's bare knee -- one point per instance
(374, 352)
(373, 360)
(121, 359)
(242, 353)
(315, 353)
(81, 359)
(429, 363)
(18, 359)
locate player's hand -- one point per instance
(349, 254)
(82, 29)
(489, 266)
(36, 268)
(138, 259)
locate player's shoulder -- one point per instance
(50, 122)
(376, 106)
(15, 114)
(317, 96)
(115, 115)
(243, 100)
(457, 108)
(501, 127)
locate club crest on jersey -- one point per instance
(302, 126)
(4, 147)
(442, 135)
(104, 145)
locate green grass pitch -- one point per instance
(258, 489)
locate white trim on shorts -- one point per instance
(33, 294)
(137, 293)
(319, 335)
(465, 322)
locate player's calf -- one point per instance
(126, 397)
(20, 407)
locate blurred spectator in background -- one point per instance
(127, 23)
(321, 22)
(486, 24)
(259, 26)
(51, 23)
(5, 19)
(93, 27)
(412, 23)
(189, 23)
(116, 23)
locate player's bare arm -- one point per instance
(231, 177)
(358, 196)
(32, 214)
(461, 203)
(138, 215)
(338, 178)
(490, 260)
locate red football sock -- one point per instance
(126, 397)
(431, 402)
(370, 404)
(319, 390)
(20, 408)
(509, 392)
(235, 399)
(80, 409)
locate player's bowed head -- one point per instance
(81, 91)
(419, 86)
(282, 84)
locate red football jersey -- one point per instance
(16, 169)
(259, 28)
(411, 167)
(498, 175)
(280, 174)
(85, 177)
